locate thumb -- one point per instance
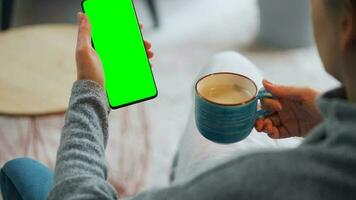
(84, 32)
(286, 92)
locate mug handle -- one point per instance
(263, 94)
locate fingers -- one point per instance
(259, 125)
(274, 133)
(279, 133)
(271, 104)
(267, 126)
(264, 125)
(283, 132)
(150, 54)
(276, 120)
(292, 93)
(84, 32)
(273, 127)
(148, 45)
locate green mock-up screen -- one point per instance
(118, 41)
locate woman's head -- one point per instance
(335, 33)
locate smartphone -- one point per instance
(117, 38)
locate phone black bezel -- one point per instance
(149, 63)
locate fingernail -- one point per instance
(80, 17)
(267, 82)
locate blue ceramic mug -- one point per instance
(226, 106)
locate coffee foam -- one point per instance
(227, 94)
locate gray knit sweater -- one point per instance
(323, 167)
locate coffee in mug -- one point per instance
(227, 94)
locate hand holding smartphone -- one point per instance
(117, 39)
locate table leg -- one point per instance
(6, 13)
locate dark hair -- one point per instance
(337, 4)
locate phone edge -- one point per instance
(149, 63)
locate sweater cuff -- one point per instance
(91, 87)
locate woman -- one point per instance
(323, 167)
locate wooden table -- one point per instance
(37, 69)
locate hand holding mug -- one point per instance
(295, 110)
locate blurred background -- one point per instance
(37, 69)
